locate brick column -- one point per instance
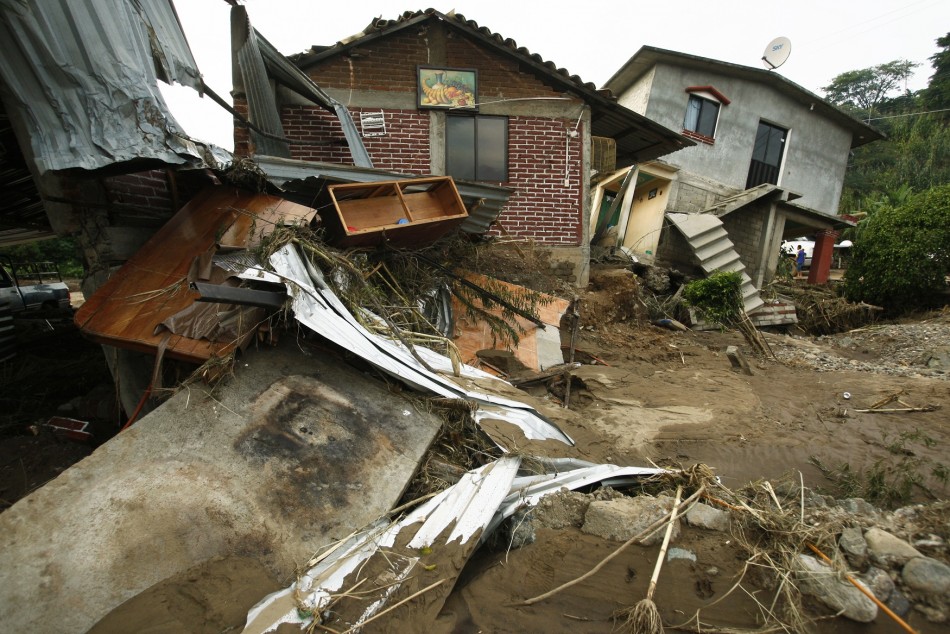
(821, 256)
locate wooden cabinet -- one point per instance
(402, 213)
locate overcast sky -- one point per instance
(592, 38)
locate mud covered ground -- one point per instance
(652, 395)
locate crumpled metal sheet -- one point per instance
(316, 307)
(475, 506)
(81, 78)
(466, 507)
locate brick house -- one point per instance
(768, 165)
(517, 121)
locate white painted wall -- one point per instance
(817, 149)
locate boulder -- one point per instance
(927, 576)
(705, 516)
(622, 518)
(854, 546)
(879, 582)
(821, 582)
(887, 549)
(898, 603)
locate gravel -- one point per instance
(919, 349)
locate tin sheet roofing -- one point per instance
(82, 78)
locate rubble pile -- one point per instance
(822, 556)
(920, 349)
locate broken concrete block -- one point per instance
(738, 361)
(625, 517)
(705, 516)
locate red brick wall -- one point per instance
(151, 190)
(404, 148)
(540, 157)
(143, 189)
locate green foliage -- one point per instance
(903, 254)
(864, 89)
(64, 252)
(718, 298)
(916, 152)
(937, 93)
(892, 480)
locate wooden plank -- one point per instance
(151, 286)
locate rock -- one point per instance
(858, 506)
(705, 516)
(622, 518)
(927, 576)
(888, 550)
(879, 582)
(680, 553)
(898, 603)
(821, 582)
(854, 546)
(561, 510)
(522, 531)
(932, 614)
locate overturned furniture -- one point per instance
(400, 212)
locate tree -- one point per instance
(937, 93)
(903, 255)
(864, 89)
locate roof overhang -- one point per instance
(638, 139)
(648, 57)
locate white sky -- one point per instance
(592, 38)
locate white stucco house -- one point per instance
(768, 165)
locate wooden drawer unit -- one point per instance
(404, 213)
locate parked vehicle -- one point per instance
(33, 286)
(790, 247)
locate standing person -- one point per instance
(799, 261)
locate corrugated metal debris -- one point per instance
(81, 78)
(423, 553)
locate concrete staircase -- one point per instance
(715, 251)
(743, 198)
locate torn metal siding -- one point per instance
(261, 104)
(307, 179)
(259, 62)
(81, 76)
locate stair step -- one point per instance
(724, 261)
(711, 250)
(711, 238)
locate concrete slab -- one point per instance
(294, 452)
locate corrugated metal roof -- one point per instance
(638, 138)
(307, 180)
(82, 79)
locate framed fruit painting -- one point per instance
(447, 88)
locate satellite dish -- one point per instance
(776, 52)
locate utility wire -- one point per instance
(909, 114)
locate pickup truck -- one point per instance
(33, 286)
